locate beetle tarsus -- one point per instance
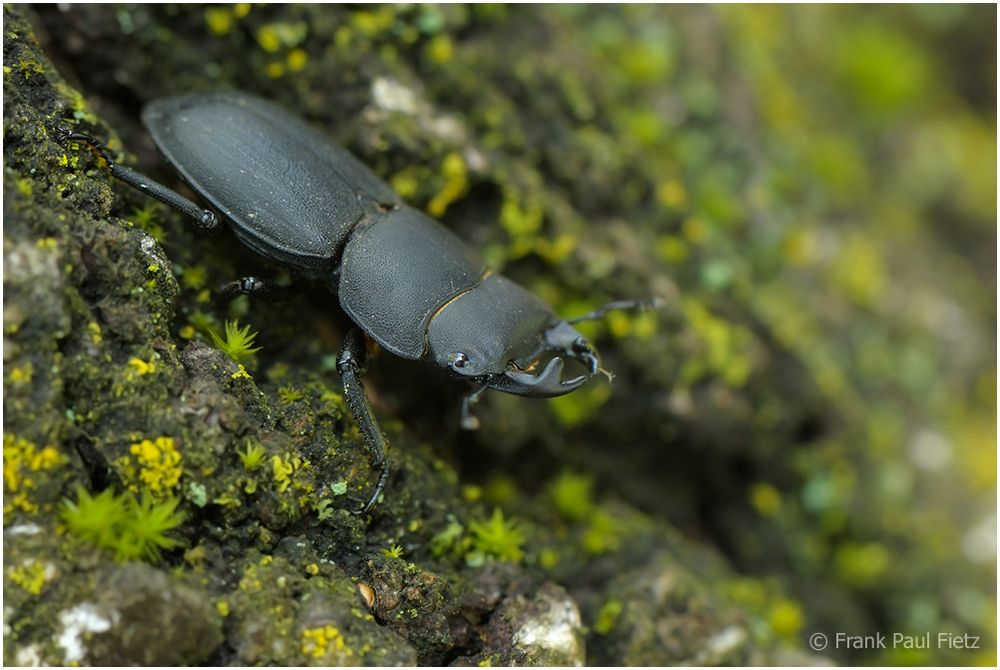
(250, 285)
(205, 218)
(351, 365)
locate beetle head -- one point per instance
(501, 336)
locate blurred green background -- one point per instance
(812, 190)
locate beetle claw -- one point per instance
(546, 384)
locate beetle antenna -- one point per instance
(640, 305)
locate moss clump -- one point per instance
(238, 343)
(573, 495)
(131, 528)
(394, 551)
(253, 456)
(497, 538)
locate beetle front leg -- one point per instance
(351, 365)
(203, 217)
(467, 419)
(639, 305)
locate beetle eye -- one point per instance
(458, 360)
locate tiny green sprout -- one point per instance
(449, 539)
(145, 218)
(150, 523)
(145, 215)
(394, 551)
(238, 344)
(498, 537)
(131, 528)
(290, 394)
(253, 457)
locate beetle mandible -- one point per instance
(410, 284)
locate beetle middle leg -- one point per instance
(351, 365)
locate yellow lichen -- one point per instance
(219, 20)
(159, 464)
(141, 367)
(725, 348)
(20, 458)
(520, 219)
(671, 193)
(275, 70)
(456, 184)
(694, 230)
(21, 374)
(766, 499)
(241, 373)
(95, 332)
(267, 38)
(785, 618)
(31, 575)
(319, 641)
(440, 49)
(297, 59)
(284, 467)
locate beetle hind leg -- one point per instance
(351, 365)
(205, 218)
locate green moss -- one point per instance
(603, 533)
(238, 343)
(607, 616)
(394, 551)
(573, 495)
(448, 540)
(497, 538)
(290, 394)
(131, 528)
(252, 456)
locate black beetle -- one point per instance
(409, 283)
